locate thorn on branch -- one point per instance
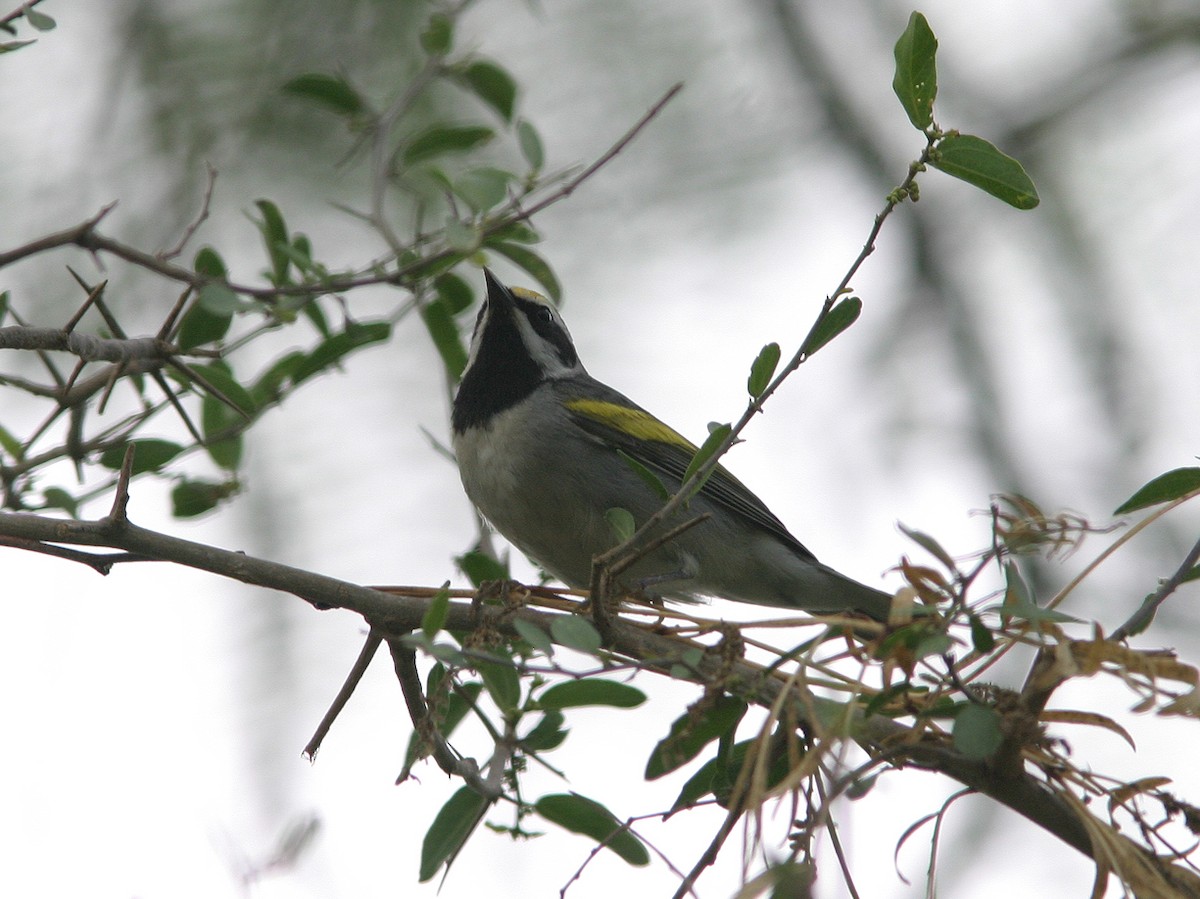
(93, 295)
(365, 655)
(121, 496)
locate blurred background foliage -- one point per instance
(1049, 354)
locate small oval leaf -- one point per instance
(532, 263)
(450, 830)
(762, 370)
(592, 691)
(974, 160)
(330, 91)
(493, 85)
(531, 145)
(579, 814)
(435, 615)
(837, 320)
(692, 731)
(149, 454)
(442, 139)
(576, 633)
(977, 731)
(534, 636)
(915, 82)
(621, 522)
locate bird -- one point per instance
(544, 451)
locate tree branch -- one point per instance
(396, 615)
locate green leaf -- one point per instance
(57, 498)
(4, 305)
(450, 830)
(461, 236)
(576, 633)
(534, 636)
(621, 522)
(838, 319)
(10, 46)
(480, 568)
(483, 188)
(454, 292)
(716, 436)
(39, 21)
(502, 683)
(269, 386)
(438, 36)
(210, 315)
(149, 454)
(915, 82)
(652, 480)
(548, 734)
(222, 425)
(974, 160)
(222, 429)
(192, 498)
(210, 264)
(275, 238)
(531, 145)
(533, 264)
(218, 376)
(442, 139)
(331, 351)
(220, 300)
(1163, 489)
(763, 370)
(435, 616)
(581, 815)
(982, 638)
(718, 775)
(591, 691)
(330, 91)
(977, 731)
(493, 85)
(443, 331)
(516, 231)
(11, 444)
(692, 731)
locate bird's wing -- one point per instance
(621, 424)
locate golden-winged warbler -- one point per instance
(542, 449)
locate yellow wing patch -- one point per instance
(634, 422)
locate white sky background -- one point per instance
(155, 717)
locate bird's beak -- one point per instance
(496, 292)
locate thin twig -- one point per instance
(199, 220)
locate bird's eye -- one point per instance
(544, 314)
